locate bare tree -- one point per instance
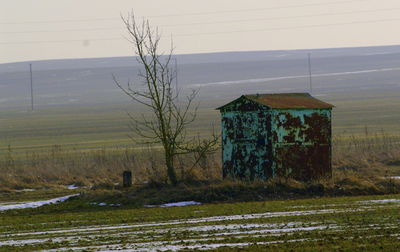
(170, 118)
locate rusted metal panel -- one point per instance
(246, 147)
(260, 142)
(302, 143)
(289, 101)
(280, 101)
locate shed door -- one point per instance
(250, 145)
(245, 161)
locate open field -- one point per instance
(96, 127)
(91, 145)
(78, 134)
(368, 223)
(79, 130)
(79, 107)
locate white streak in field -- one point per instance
(380, 201)
(274, 230)
(176, 229)
(260, 80)
(237, 226)
(166, 246)
(36, 241)
(72, 187)
(215, 219)
(26, 190)
(91, 233)
(197, 220)
(278, 228)
(34, 204)
(176, 204)
(364, 202)
(105, 204)
(169, 245)
(236, 230)
(22, 242)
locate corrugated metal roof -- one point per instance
(287, 101)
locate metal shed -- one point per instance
(269, 135)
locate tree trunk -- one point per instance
(171, 169)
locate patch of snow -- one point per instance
(196, 220)
(394, 177)
(209, 235)
(72, 187)
(105, 204)
(26, 190)
(380, 201)
(22, 242)
(272, 230)
(34, 204)
(167, 246)
(176, 204)
(35, 241)
(242, 226)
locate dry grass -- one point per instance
(372, 156)
(358, 160)
(97, 167)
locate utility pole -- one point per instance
(30, 69)
(176, 75)
(309, 71)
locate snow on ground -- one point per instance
(175, 204)
(92, 229)
(105, 204)
(380, 201)
(26, 190)
(34, 204)
(72, 187)
(163, 246)
(200, 233)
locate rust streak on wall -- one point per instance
(260, 142)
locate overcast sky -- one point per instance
(54, 29)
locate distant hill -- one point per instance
(220, 75)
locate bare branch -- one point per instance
(170, 118)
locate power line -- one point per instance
(61, 21)
(289, 28)
(62, 41)
(258, 9)
(63, 30)
(213, 33)
(287, 17)
(189, 14)
(212, 23)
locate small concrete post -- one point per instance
(127, 178)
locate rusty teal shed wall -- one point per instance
(301, 143)
(260, 142)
